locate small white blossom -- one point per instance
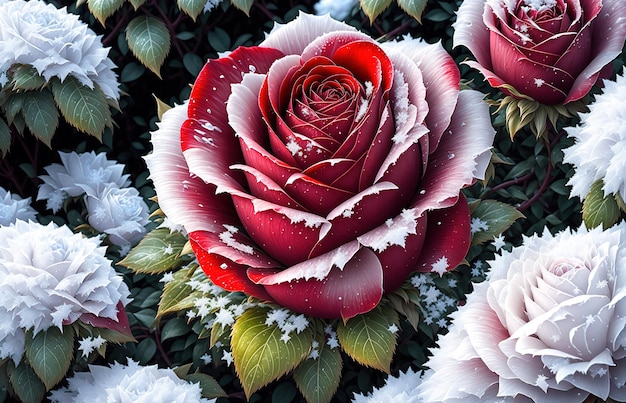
(498, 242)
(127, 384)
(89, 344)
(13, 208)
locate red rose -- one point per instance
(319, 169)
(552, 51)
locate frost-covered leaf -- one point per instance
(5, 137)
(149, 40)
(492, 218)
(370, 338)
(41, 115)
(243, 5)
(50, 353)
(157, 252)
(26, 384)
(598, 209)
(414, 8)
(211, 389)
(193, 8)
(26, 78)
(175, 292)
(260, 353)
(318, 377)
(103, 9)
(83, 107)
(373, 8)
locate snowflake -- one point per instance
(440, 266)
(228, 357)
(477, 225)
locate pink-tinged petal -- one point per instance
(398, 244)
(448, 238)
(225, 273)
(244, 114)
(317, 197)
(186, 200)
(286, 234)
(265, 188)
(470, 30)
(607, 45)
(463, 154)
(345, 293)
(297, 35)
(408, 94)
(120, 325)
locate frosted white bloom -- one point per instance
(599, 151)
(396, 389)
(50, 276)
(80, 173)
(120, 213)
(548, 325)
(56, 43)
(338, 9)
(130, 383)
(13, 207)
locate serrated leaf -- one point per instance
(5, 137)
(193, 8)
(149, 40)
(27, 78)
(156, 253)
(12, 107)
(211, 389)
(368, 338)
(497, 216)
(41, 115)
(103, 9)
(318, 378)
(174, 292)
(26, 384)
(373, 8)
(414, 8)
(137, 3)
(50, 353)
(598, 209)
(243, 5)
(260, 355)
(83, 107)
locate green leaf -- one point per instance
(103, 9)
(149, 40)
(175, 327)
(414, 8)
(27, 78)
(193, 8)
(243, 5)
(318, 378)
(5, 137)
(260, 355)
(174, 292)
(50, 353)
(598, 209)
(83, 107)
(497, 216)
(373, 8)
(211, 389)
(156, 253)
(193, 63)
(368, 338)
(41, 115)
(26, 384)
(12, 106)
(131, 72)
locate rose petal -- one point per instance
(265, 188)
(317, 197)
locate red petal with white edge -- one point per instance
(225, 273)
(260, 159)
(121, 325)
(265, 188)
(463, 154)
(318, 198)
(470, 30)
(607, 45)
(185, 200)
(447, 238)
(342, 294)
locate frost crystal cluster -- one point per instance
(50, 276)
(396, 389)
(599, 151)
(130, 383)
(13, 207)
(55, 43)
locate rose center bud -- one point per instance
(564, 266)
(538, 9)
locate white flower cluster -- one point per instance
(54, 42)
(599, 151)
(130, 383)
(13, 208)
(50, 276)
(112, 207)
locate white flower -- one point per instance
(396, 389)
(130, 383)
(600, 148)
(548, 325)
(50, 276)
(79, 173)
(120, 213)
(56, 43)
(13, 207)
(338, 9)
